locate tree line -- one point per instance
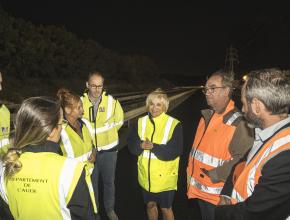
(42, 58)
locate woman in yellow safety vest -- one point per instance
(4, 125)
(157, 141)
(37, 182)
(76, 140)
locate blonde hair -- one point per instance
(35, 120)
(159, 94)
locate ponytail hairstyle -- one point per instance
(35, 120)
(67, 98)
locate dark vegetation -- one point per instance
(37, 60)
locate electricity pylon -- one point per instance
(231, 61)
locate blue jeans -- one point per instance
(105, 166)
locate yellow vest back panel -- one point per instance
(39, 190)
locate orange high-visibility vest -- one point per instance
(210, 150)
(248, 179)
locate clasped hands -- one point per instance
(146, 145)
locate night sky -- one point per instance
(181, 38)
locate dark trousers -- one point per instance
(5, 213)
(105, 167)
(206, 209)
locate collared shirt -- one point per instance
(262, 135)
(95, 103)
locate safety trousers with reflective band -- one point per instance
(105, 124)
(160, 175)
(247, 180)
(210, 150)
(39, 193)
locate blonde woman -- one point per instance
(37, 182)
(157, 140)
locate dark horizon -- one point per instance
(182, 39)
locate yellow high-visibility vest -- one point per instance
(73, 146)
(43, 187)
(4, 129)
(160, 175)
(105, 124)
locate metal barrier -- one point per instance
(133, 103)
(174, 100)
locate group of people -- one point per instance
(238, 168)
(239, 165)
(51, 166)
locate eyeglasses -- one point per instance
(211, 90)
(92, 86)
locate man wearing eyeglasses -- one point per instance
(105, 115)
(221, 139)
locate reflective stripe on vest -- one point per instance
(155, 175)
(207, 189)
(237, 196)
(2, 184)
(110, 107)
(146, 154)
(108, 146)
(144, 121)
(66, 177)
(166, 132)
(250, 182)
(66, 143)
(4, 142)
(106, 127)
(206, 158)
(251, 178)
(91, 190)
(167, 129)
(69, 149)
(233, 118)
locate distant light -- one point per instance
(245, 77)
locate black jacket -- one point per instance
(271, 197)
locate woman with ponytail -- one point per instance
(76, 140)
(36, 181)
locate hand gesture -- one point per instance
(224, 200)
(146, 145)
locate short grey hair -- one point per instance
(271, 87)
(227, 79)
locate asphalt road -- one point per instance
(129, 201)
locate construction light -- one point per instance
(245, 77)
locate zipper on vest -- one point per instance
(149, 161)
(149, 178)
